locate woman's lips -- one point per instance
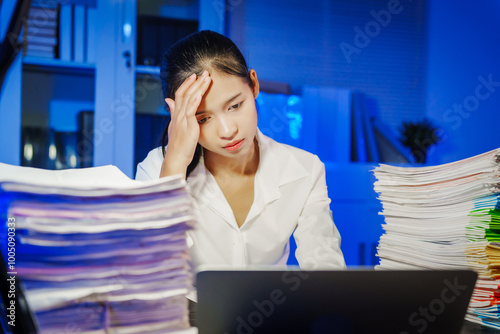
(234, 146)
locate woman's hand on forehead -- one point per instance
(188, 95)
(184, 130)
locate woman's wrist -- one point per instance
(173, 165)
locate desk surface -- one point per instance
(473, 328)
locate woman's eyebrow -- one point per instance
(225, 104)
(233, 98)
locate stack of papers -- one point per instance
(96, 251)
(446, 217)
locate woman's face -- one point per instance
(227, 116)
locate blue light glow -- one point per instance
(293, 100)
(127, 30)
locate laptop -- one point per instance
(319, 302)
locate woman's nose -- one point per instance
(226, 128)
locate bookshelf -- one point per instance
(85, 73)
(89, 69)
(57, 66)
(144, 70)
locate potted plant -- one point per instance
(418, 137)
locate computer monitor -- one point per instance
(350, 301)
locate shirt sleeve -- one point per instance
(149, 168)
(317, 237)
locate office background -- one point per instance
(339, 79)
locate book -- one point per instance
(45, 31)
(39, 48)
(42, 13)
(44, 4)
(41, 40)
(40, 54)
(40, 30)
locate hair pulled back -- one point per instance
(203, 50)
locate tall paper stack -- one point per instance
(96, 251)
(444, 217)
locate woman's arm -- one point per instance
(149, 168)
(317, 237)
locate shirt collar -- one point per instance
(277, 167)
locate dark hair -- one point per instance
(203, 50)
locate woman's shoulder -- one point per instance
(308, 160)
(305, 157)
(150, 167)
(300, 153)
(287, 156)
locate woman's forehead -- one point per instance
(222, 88)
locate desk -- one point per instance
(473, 328)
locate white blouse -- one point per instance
(290, 197)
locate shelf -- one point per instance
(143, 70)
(36, 64)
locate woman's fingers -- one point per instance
(185, 85)
(183, 92)
(197, 95)
(187, 96)
(188, 85)
(193, 96)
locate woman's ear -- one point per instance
(255, 82)
(171, 104)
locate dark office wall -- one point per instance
(464, 50)
(318, 43)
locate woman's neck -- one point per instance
(218, 164)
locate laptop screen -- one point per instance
(352, 301)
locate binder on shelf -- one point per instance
(85, 139)
(65, 32)
(91, 35)
(79, 29)
(155, 35)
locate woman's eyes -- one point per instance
(232, 108)
(236, 106)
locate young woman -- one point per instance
(250, 192)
